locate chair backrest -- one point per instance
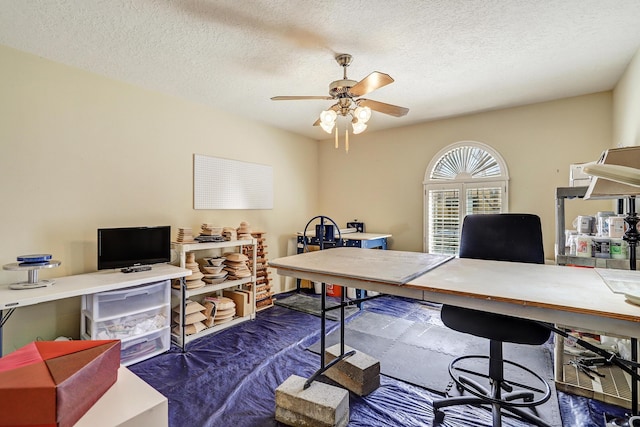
(502, 237)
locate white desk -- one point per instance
(85, 284)
(130, 402)
(555, 294)
(82, 284)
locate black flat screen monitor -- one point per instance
(130, 246)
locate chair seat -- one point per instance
(493, 326)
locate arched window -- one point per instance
(464, 178)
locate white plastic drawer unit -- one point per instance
(128, 301)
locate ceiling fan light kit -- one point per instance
(328, 120)
(345, 92)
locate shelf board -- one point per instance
(213, 329)
(197, 246)
(264, 307)
(212, 288)
(621, 264)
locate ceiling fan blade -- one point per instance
(392, 110)
(317, 122)
(297, 98)
(373, 81)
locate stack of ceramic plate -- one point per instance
(210, 233)
(244, 231)
(213, 269)
(236, 265)
(210, 269)
(211, 230)
(223, 310)
(229, 233)
(194, 317)
(185, 235)
(215, 278)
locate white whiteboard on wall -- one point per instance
(231, 184)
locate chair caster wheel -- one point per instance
(438, 417)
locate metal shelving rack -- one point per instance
(562, 194)
(617, 387)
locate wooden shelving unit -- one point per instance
(246, 246)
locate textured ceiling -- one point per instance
(448, 57)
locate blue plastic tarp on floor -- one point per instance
(229, 378)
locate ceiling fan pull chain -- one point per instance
(346, 140)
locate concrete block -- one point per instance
(359, 373)
(321, 405)
(291, 418)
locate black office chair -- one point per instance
(499, 237)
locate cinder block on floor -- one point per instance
(321, 405)
(359, 373)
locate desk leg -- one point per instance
(323, 325)
(324, 366)
(634, 383)
(342, 306)
(183, 315)
(558, 358)
(3, 319)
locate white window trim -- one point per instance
(462, 184)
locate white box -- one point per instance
(130, 402)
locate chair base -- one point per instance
(513, 401)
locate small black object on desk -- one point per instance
(136, 268)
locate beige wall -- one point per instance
(626, 106)
(380, 180)
(79, 152)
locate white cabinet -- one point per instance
(138, 316)
(182, 295)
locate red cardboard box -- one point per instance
(53, 383)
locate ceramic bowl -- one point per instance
(211, 269)
(215, 262)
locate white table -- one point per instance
(561, 295)
(556, 294)
(82, 284)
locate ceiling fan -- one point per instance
(347, 92)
